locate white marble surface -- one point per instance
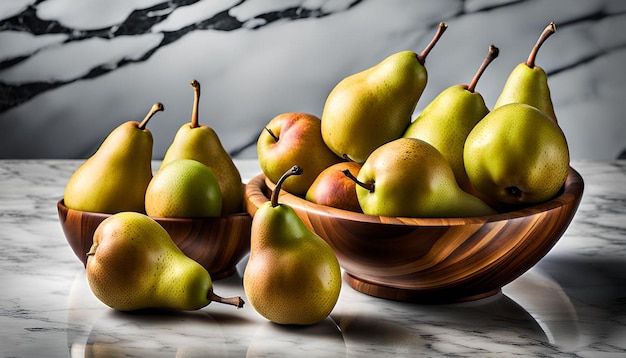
(571, 304)
(84, 67)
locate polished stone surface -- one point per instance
(571, 304)
(71, 71)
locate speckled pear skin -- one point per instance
(292, 275)
(134, 264)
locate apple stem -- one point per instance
(235, 301)
(367, 186)
(155, 108)
(295, 170)
(196, 103)
(491, 55)
(272, 134)
(549, 30)
(440, 30)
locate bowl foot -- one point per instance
(409, 295)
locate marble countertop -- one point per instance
(571, 304)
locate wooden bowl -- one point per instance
(433, 260)
(217, 243)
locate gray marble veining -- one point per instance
(571, 304)
(68, 67)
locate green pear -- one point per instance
(517, 155)
(448, 119)
(374, 106)
(116, 176)
(292, 275)
(408, 177)
(200, 142)
(528, 83)
(184, 188)
(134, 264)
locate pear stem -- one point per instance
(295, 170)
(196, 103)
(367, 186)
(155, 108)
(272, 134)
(440, 30)
(235, 301)
(491, 55)
(549, 30)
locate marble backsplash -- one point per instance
(72, 71)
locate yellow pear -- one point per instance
(116, 176)
(134, 264)
(200, 142)
(528, 83)
(292, 275)
(408, 177)
(374, 106)
(517, 155)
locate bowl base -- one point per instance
(408, 295)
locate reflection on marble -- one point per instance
(84, 67)
(571, 304)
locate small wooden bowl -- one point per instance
(217, 243)
(433, 260)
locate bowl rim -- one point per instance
(61, 206)
(570, 193)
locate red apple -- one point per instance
(294, 139)
(333, 188)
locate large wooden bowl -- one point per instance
(433, 260)
(217, 243)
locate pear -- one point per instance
(292, 275)
(408, 177)
(374, 106)
(448, 119)
(528, 83)
(200, 142)
(184, 188)
(116, 176)
(134, 264)
(517, 155)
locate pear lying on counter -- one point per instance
(116, 176)
(134, 264)
(292, 275)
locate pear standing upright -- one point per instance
(134, 264)
(292, 275)
(116, 176)
(200, 142)
(374, 106)
(528, 83)
(449, 118)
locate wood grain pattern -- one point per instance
(217, 243)
(434, 260)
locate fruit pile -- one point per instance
(133, 262)
(457, 158)
(365, 154)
